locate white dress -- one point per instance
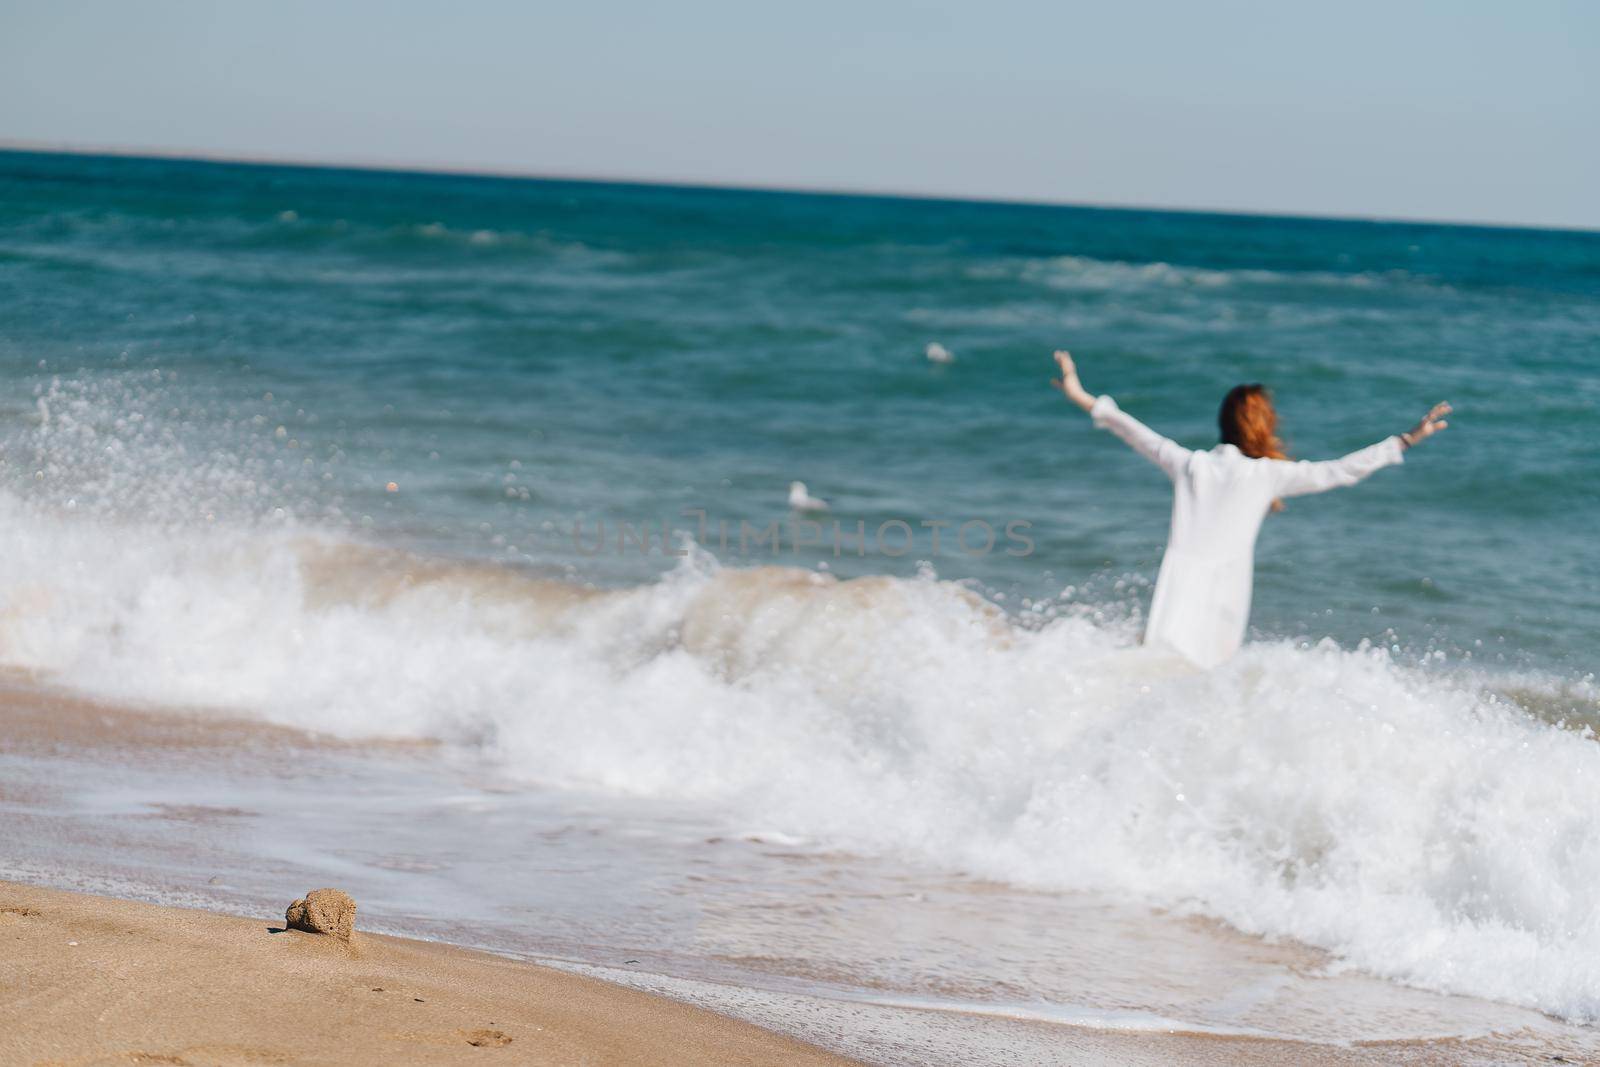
(1202, 598)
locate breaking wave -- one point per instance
(1417, 822)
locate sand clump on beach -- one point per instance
(323, 911)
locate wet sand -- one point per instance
(88, 980)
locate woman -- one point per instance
(1202, 598)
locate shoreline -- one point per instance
(198, 985)
(90, 979)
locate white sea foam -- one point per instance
(1086, 273)
(1410, 821)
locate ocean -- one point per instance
(501, 466)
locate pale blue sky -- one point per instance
(1467, 110)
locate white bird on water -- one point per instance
(938, 353)
(800, 500)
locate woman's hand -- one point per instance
(1431, 424)
(1068, 382)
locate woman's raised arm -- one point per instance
(1163, 452)
(1068, 382)
(1302, 477)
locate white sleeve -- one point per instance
(1164, 453)
(1292, 478)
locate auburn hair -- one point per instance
(1249, 422)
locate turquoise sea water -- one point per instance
(310, 445)
(626, 353)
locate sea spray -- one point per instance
(1406, 818)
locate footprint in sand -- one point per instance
(485, 1038)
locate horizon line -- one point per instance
(389, 166)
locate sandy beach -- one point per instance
(91, 980)
(88, 980)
